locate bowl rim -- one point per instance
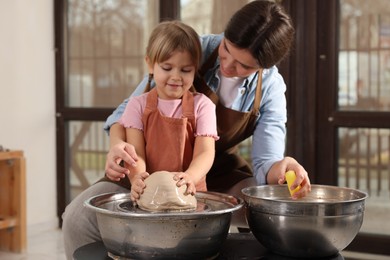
(234, 202)
(362, 195)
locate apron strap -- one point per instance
(256, 105)
(209, 62)
(151, 101)
(188, 107)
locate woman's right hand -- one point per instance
(121, 151)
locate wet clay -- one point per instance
(162, 194)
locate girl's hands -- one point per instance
(138, 185)
(185, 179)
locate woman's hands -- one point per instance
(121, 151)
(277, 175)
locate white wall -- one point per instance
(27, 101)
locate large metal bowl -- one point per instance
(129, 232)
(319, 225)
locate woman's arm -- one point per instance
(268, 140)
(268, 145)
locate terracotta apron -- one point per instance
(233, 127)
(169, 141)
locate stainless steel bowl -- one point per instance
(319, 225)
(129, 232)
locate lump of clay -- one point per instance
(162, 194)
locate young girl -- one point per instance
(171, 128)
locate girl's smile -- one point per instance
(174, 76)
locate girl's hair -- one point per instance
(170, 36)
(264, 29)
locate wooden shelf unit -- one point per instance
(12, 201)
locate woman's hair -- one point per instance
(264, 29)
(170, 36)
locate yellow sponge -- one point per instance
(290, 177)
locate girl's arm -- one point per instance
(204, 147)
(203, 157)
(137, 172)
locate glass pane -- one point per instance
(364, 164)
(209, 16)
(87, 149)
(364, 55)
(106, 47)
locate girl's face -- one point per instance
(174, 76)
(236, 62)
